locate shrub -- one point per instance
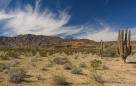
(43, 53)
(43, 69)
(13, 54)
(67, 66)
(84, 55)
(57, 60)
(34, 52)
(76, 70)
(105, 67)
(4, 57)
(82, 64)
(95, 64)
(33, 64)
(38, 76)
(75, 56)
(16, 75)
(2, 67)
(59, 79)
(14, 63)
(61, 61)
(97, 78)
(34, 60)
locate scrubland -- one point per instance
(60, 69)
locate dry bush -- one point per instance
(3, 66)
(4, 57)
(82, 65)
(13, 63)
(75, 56)
(68, 66)
(60, 80)
(16, 75)
(38, 76)
(105, 67)
(76, 70)
(61, 61)
(97, 78)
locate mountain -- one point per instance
(48, 42)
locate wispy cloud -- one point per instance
(30, 20)
(106, 2)
(100, 31)
(4, 4)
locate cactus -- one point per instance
(101, 49)
(124, 48)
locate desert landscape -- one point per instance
(25, 65)
(67, 43)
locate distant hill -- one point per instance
(50, 42)
(43, 41)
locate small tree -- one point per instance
(95, 64)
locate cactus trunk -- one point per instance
(101, 49)
(124, 48)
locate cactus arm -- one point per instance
(124, 48)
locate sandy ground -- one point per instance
(116, 74)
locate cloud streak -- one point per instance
(30, 20)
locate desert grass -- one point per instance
(40, 70)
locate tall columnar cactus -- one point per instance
(124, 48)
(101, 49)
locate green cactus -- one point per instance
(124, 48)
(101, 49)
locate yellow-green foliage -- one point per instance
(95, 64)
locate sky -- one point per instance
(91, 19)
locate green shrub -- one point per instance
(2, 67)
(16, 75)
(43, 53)
(82, 64)
(34, 52)
(95, 64)
(13, 54)
(60, 80)
(76, 70)
(67, 66)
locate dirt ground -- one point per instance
(116, 72)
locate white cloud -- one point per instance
(31, 20)
(103, 32)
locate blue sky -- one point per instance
(91, 19)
